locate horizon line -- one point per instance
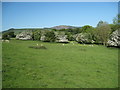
(44, 27)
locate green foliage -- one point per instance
(85, 38)
(100, 23)
(49, 36)
(5, 36)
(36, 35)
(103, 32)
(89, 32)
(62, 29)
(116, 23)
(8, 35)
(74, 31)
(11, 34)
(116, 19)
(54, 30)
(69, 36)
(100, 34)
(114, 27)
(87, 29)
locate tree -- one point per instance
(90, 32)
(50, 36)
(77, 30)
(8, 35)
(69, 36)
(36, 35)
(103, 32)
(84, 38)
(54, 29)
(116, 19)
(86, 28)
(116, 23)
(5, 36)
(11, 34)
(114, 27)
(73, 30)
(100, 23)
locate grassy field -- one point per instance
(58, 66)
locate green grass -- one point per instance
(58, 66)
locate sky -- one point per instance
(60, 0)
(49, 14)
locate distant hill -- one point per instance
(63, 27)
(17, 31)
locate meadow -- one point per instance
(58, 66)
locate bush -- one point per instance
(5, 36)
(73, 31)
(114, 27)
(8, 35)
(50, 36)
(85, 38)
(69, 36)
(11, 35)
(36, 35)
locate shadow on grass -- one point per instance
(38, 47)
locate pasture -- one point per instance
(58, 66)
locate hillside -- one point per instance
(17, 31)
(63, 27)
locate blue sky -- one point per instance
(49, 14)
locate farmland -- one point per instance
(59, 66)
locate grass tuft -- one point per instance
(38, 47)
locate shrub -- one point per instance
(36, 35)
(84, 38)
(69, 36)
(11, 35)
(49, 36)
(8, 35)
(5, 36)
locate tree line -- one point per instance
(99, 34)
